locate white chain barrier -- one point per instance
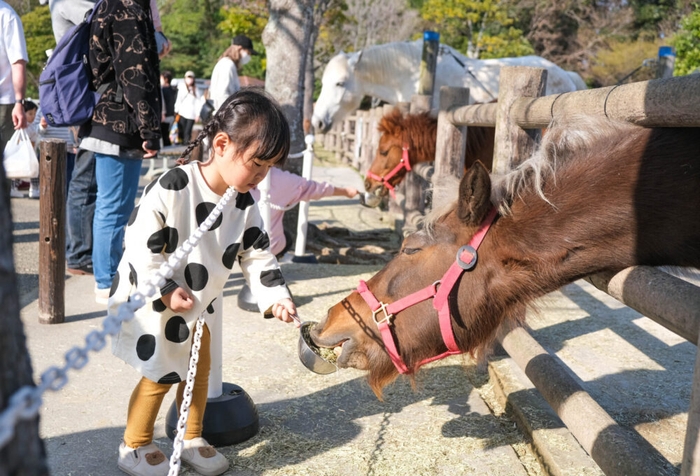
(186, 399)
(25, 402)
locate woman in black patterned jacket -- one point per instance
(125, 126)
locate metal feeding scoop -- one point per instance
(310, 353)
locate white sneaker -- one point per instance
(101, 295)
(14, 193)
(203, 457)
(147, 460)
(33, 192)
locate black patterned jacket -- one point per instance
(123, 50)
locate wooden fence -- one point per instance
(672, 302)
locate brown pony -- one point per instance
(597, 196)
(418, 132)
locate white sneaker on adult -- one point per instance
(146, 460)
(203, 457)
(101, 295)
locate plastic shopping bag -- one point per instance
(175, 132)
(19, 158)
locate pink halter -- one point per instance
(403, 164)
(440, 290)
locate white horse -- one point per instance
(390, 72)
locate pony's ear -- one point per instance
(474, 195)
(354, 59)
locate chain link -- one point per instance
(26, 402)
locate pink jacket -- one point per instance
(288, 189)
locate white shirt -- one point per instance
(187, 104)
(12, 49)
(224, 81)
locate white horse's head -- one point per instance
(339, 92)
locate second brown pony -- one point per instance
(418, 132)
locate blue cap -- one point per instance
(666, 51)
(431, 36)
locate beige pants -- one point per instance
(148, 395)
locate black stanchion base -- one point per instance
(246, 300)
(229, 419)
(308, 258)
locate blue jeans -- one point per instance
(117, 184)
(80, 209)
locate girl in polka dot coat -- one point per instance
(248, 136)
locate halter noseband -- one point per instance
(440, 290)
(403, 164)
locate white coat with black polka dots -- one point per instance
(157, 341)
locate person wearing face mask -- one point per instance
(224, 78)
(187, 105)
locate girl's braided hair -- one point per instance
(251, 118)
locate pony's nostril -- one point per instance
(368, 185)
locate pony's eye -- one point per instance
(383, 153)
(340, 84)
(410, 251)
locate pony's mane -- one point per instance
(567, 137)
(421, 128)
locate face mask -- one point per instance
(245, 58)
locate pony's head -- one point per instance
(405, 141)
(339, 95)
(421, 263)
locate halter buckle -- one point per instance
(387, 317)
(466, 266)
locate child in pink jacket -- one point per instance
(288, 189)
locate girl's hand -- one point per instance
(284, 309)
(350, 192)
(178, 300)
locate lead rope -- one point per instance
(178, 441)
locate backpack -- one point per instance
(66, 94)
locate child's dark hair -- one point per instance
(167, 75)
(29, 106)
(251, 118)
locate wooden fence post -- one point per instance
(513, 144)
(428, 64)
(414, 185)
(451, 139)
(52, 231)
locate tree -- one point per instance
(687, 44)
(287, 37)
(479, 28)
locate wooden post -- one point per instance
(345, 143)
(428, 63)
(513, 144)
(414, 186)
(666, 62)
(52, 234)
(451, 139)
(359, 137)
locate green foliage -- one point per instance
(509, 43)
(39, 38)
(620, 59)
(648, 14)
(481, 28)
(687, 44)
(191, 27)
